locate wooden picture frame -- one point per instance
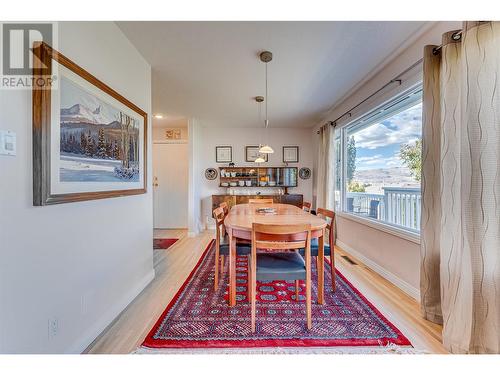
(125, 172)
(252, 153)
(223, 154)
(290, 154)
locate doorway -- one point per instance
(170, 185)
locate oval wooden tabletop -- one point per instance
(242, 216)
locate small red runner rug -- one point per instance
(163, 243)
(199, 317)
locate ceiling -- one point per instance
(211, 70)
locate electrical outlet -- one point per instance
(53, 327)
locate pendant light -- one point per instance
(259, 100)
(265, 57)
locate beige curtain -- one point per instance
(325, 172)
(460, 268)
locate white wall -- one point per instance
(81, 263)
(397, 258)
(238, 138)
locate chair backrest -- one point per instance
(281, 237)
(306, 206)
(329, 216)
(262, 200)
(218, 214)
(225, 207)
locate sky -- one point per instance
(377, 146)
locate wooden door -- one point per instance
(170, 185)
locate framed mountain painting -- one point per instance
(89, 142)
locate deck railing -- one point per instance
(399, 206)
(361, 203)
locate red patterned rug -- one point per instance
(163, 243)
(199, 317)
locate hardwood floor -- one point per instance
(173, 266)
(401, 309)
(159, 256)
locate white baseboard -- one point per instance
(110, 315)
(398, 282)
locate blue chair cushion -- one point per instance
(280, 266)
(241, 248)
(314, 249)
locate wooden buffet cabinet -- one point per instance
(295, 199)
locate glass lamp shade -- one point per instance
(260, 159)
(266, 149)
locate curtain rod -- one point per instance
(397, 79)
(455, 36)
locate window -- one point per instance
(378, 161)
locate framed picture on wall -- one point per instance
(223, 154)
(89, 142)
(252, 153)
(290, 154)
(173, 134)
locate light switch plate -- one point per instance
(7, 142)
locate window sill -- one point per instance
(398, 232)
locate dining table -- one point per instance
(238, 224)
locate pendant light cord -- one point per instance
(267, 99)
(265, 57)
(260, 119)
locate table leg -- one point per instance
(321, 268)
(232, 269)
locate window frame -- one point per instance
(391, 107)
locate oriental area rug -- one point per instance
(163, 243)
(199, 318)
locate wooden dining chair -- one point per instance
(306, 206)
(225, 207)
(222, 244)
(262, 201)
(329, 247)
(280, 265)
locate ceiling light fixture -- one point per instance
(159, 116)
(265, 57)
(260, 159)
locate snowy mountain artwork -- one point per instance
(98, 142)
(89, 141)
